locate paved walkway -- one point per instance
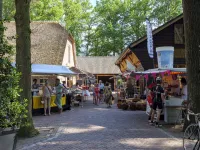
(98, 128)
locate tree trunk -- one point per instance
(191, 13)
(1, 9)
(23, 62)
(1, 22)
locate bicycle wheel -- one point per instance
(191, 137)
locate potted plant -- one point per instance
(138, 106)
(119, 105)
(125, 106)
(133, 106)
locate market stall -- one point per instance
(50, 72)
(171, 83)
(38, 105)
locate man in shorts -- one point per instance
(157, 101)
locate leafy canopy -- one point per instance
(107, 28)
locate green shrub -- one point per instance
(12, 108)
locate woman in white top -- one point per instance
(184, 93)
(47, 98)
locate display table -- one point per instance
(37, 101)
(171, 109)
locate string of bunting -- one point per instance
(146, 76)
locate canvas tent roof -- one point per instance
(50, 69)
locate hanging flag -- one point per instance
(146, 76)
(137, 77)
(153, 75)
(162, 74)
(149, 39)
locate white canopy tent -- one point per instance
(51, 69)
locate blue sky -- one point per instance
(93, 2)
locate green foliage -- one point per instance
(46, 10)
(111, 25)
(40, 10)
(12, 109)
(122, 22)
(77, 19)
(107, 28)
(8, 9)
(164, 10)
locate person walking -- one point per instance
(150, 102)
(101, 91)
(108, 95)
(93, 92)
(158, 100)
(96, 91)
(59, 89)
(47, 98)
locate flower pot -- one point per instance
(133, 106)
(119, 101)
(143, 106)
(138, 106)
(119, 105)
(125, 106)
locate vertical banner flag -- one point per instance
(137, 77)
(149, 39)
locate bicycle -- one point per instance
(191, 138)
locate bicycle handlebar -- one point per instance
(189, 112)
(192, 113)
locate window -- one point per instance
(69, 52)
(43, 80)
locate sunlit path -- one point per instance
(98, 128)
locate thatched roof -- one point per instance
(98, 64)
(81, 72)
(48, 41)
